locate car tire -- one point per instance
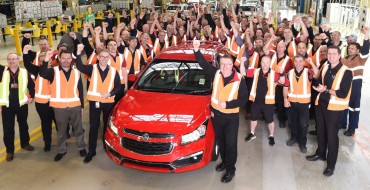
(215, 152)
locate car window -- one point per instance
(174, 76)
(172, 7)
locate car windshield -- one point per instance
(173, 76)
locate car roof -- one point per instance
(184, 51)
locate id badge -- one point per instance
(97, 104)
(14, 85)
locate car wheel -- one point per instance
(215, 151)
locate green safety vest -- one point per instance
(22, 87)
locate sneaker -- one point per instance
(291, 142)
(271, 141)
(303, 148)
(250, 137)
(349, 132)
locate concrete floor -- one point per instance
(259, 166)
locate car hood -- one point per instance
(161, 112)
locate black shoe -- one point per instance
(349, 132)
(83, 153)
(271, 141)
(89, 157)
(329, 171)
(314, 132)
(28, 147)
(291, 142)
(314, 158)
(9, 157)
(221, 167)
(227, 177)
(59, 156)
(250, 137)
(282, 124)
(47, 148)
(303, 148)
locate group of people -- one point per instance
(293, 68)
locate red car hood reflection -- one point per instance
(161, 112)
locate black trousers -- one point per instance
(279, 101)
(8, 114)
(94, 117)
(226, 131)
(249, 82)
(328, 124)
(46, 114)
(298, 115)
(120, 94)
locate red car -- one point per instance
(163, 122)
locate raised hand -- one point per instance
(105, 24)
(26, 48)
(80, 47)
(196, 44)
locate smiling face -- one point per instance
(13, 60)
(65, 59)
(226, 66)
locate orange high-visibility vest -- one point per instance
(117, 64)
(270, 96)
(225, 93)
(64, 93)
(253, 60)
(292, 48)
(42, 90)
(299, 91)
(235, 49)
(240, 55)
(129, 60)
(97, 86)
(335, 103)
(316, 59)
(92, 59)
(147, 59)
(282, 63)
(157, 47)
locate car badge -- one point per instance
(145, 137)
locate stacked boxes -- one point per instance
(27, 10)
(51, 9)
(3, 21)
(120, 4)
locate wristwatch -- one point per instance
(327, 91)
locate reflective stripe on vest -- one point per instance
(92, 59)
(42, 90)
(36, 60)
(235, 49)
(97, 86)
(335, 103)
(292, 48)
(117, 64)
(128, 59)
(22, 87)
(225, 93)
(240, 55)
(157, 47)
(299, 91)
(65, 93)
(275, 65)
(270, 95)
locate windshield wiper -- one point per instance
(202, 92)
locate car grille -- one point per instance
(151, 135)
(146, 148)
(148, 164)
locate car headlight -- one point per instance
(112, 126)
(197, 134)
